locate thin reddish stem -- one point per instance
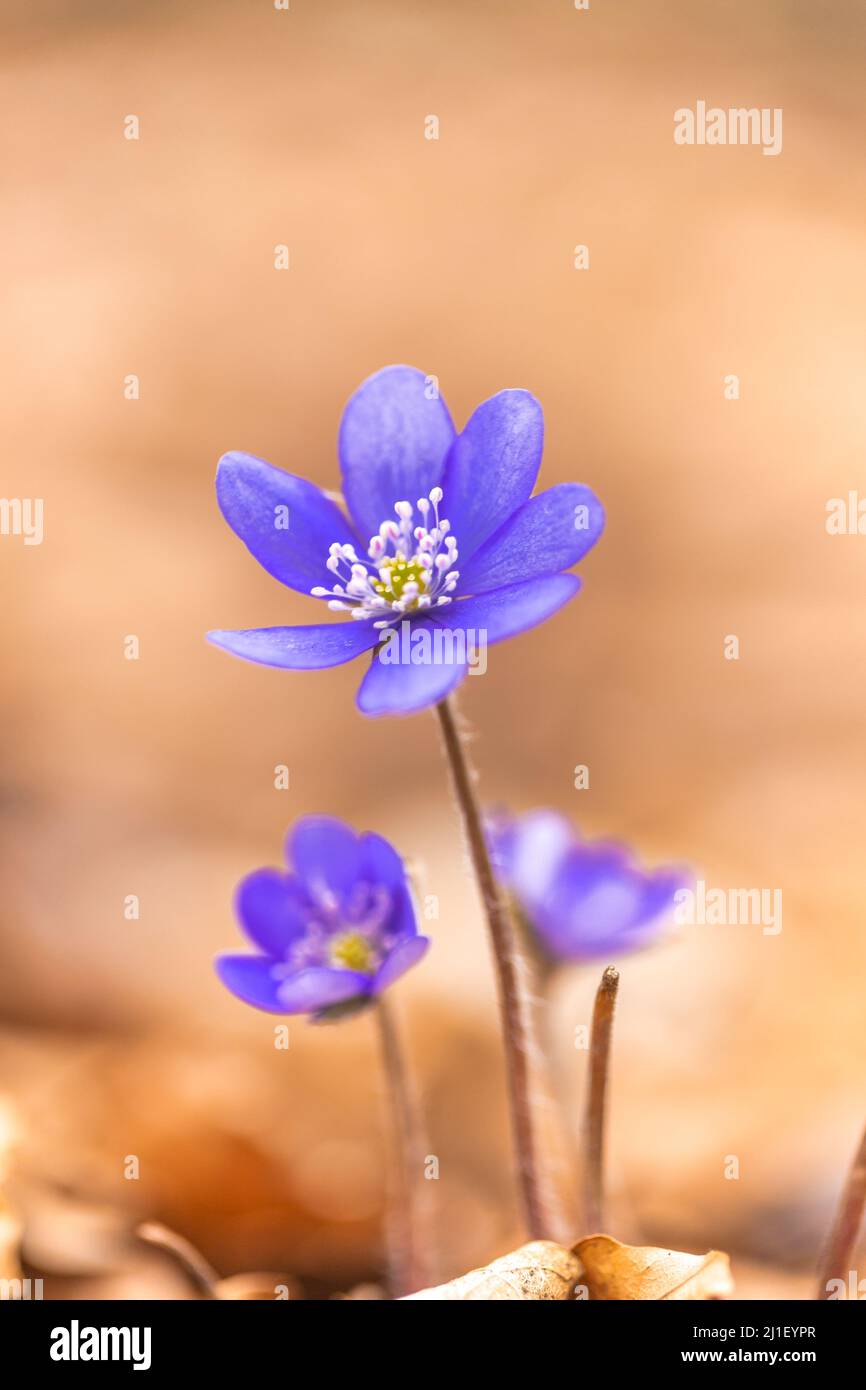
(596, 1101)
(513, 1005)
(406, 1240)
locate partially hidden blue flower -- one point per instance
(420, 497)
(583, 899)
(332, 932)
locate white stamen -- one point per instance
(408, 568)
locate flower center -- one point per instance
(351, 950)
(408, 568)
(396, 574)
(351, 933)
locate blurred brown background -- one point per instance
(155, 777)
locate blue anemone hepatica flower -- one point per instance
(335, 930)
(583, 899)
(443, 543)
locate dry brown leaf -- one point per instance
(616, 1271)
(540, 1270)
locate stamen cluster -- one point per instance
(408, 568)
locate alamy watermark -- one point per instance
(854, 1288)
(722, 907)
(23, 516)
(413, 644)
(846, 516)
(738, 125)
(77, 1343)
(16, 1290)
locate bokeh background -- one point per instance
(155, 776)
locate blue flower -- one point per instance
(334, 932)
(584, 899)
(419, 497)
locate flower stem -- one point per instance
(839, 1253)
(406, 1255)
(559, 1089)
(512, 1002)
(594, 1117)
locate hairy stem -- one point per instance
(513, 1005)
(596, 1101)
(838, 1255)
(406, 1249)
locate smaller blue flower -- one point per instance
(332, 933)
(584, 899)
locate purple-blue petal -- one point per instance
(549, 533)
(326, 855)
(380, 862)
(318, 987)
(401, 958)
(299, 648)
(402, 921)
(251, 978)
(660, 891)
(287, 523)
(492, 617)
(492, 467)
(603, 908)
(585, 899)
(601, 902)
(394, 436)
(403, 687)
(272, 909)
(528, 853)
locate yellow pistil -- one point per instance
(353, 951)
(400, 572)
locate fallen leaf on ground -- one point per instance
(540, 1270)
(616, 1271)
